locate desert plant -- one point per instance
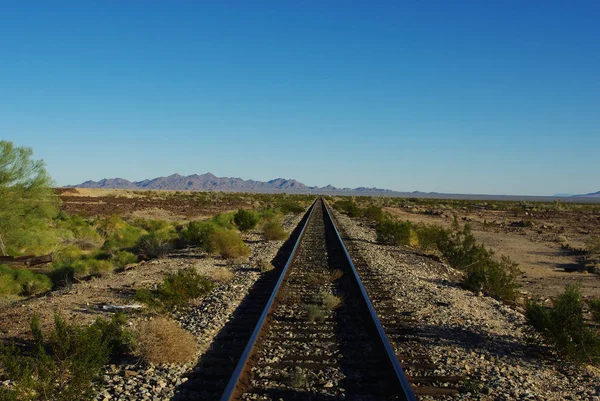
(330, 301)
(161, 340)
(246, 219)
(594, 305)
(263, 265)
(177, 289)
(22, 282)
(314, 313)
(374, 213)
(297, 378)
(62, 365)
(563, 326)
(201, 233)
(221, 275)
(229, 244)
(125, 238)
(122, 258)
(273, 231)
(155, 244)
(396, 233)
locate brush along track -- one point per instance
(306, 347)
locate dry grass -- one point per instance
(161, 340)
(221, 275)
(263, 265)
(330, 301)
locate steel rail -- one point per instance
(230, 390)
(407, 391)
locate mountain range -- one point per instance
(208, 181)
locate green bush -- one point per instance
(122, 258)
(124, 238)
(374, 213)
(229, 244)
(246, 219)
(289, 206)
(348, 207)
(177, 289)
(63, 365)
(88, 266)
(563, 326)
(273, 231)
(153, 225)
(268, 214)
(432, 238)
(16, 281)
(396, 233)
(594, 305)
(156, 244)
(224, 220)
(201, 233)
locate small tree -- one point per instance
(27, 201)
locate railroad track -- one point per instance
(309, 331)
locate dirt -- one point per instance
(533, 240)
(163, 205)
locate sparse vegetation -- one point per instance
(18, 281)
(63, 364)
(330, 301)
(161, 340)
(273, 231)
(229, 244)
(315, 313)
(246, 219)
(263, 265)
(177, 289)
(297, 378)
(563, 326)
(221, 275)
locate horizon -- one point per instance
(556, 195)
(476, 98)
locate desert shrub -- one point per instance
(67, 254)
(563, 326)
(330, 301)
(22, 282)
(246, 219)
(224, 220)
(177, 289)
(161, 340)
(221, 275)
(314, 313)
(109, 225)
(273, 231)
(122, 258)
(592, 245)
(125, 238)
(155, 244)
(268, 214)
(229, 244)
(263, 265)
(89, 266)
(153, 225)
(348, 207)
(201, 233)
(432, 238)
(396, 233)
(373, 213)
(80, 232)
(497, 278)
(63, 365)
(594, 305)
(289, 206)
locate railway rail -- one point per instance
(310, 331)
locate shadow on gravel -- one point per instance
(208, 379)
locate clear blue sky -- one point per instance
(466, 96)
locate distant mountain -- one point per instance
(209, 181)
(590, 195)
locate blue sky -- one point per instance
(468, 96)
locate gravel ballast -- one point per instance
(140, 381)
(467, 334)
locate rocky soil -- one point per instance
(134, 380)
(466, 334)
